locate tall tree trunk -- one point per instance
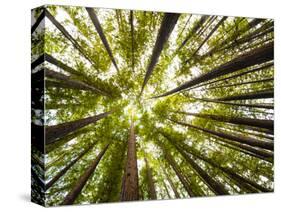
(262, 123)
(99, 29)
(67, 167)
(67, 82)
(151, 185)
(256, 56)
(261, 68)
(255, 95)
(38, 21)
(175, 167)
(168, 23)
(263, 106)
(53, 133)
(177, 195)
(77, 188)
(130, 187)
(69, 37)
(233, 137)
(194, 29)
(167, 191)
(131, 20)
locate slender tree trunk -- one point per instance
(67, 167)
(175, 167)
(99, 29)
(233, 137)
(194, 29)
(130, 187)
(53, 133)
(263, 106)
(167, 191)
(69, 37)
(38, 21)
(255, 95)
(132, 39)
(168, 23)
(77, 188)
(262, 123)
(233, 76)
(256, 56)
(177, 195)
(151, 186)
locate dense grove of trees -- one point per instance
(136, 105)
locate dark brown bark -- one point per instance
(69, 37)
(167, 191)
(262, 123)
(53, 133)
(67, 82)
(67, 167)
(130, 187)
(264, 106)
(256, 56)
(207, 38)
(194, 29)
(77, 188)
(99, 29)
(175, 167)
(233, 76)
(242, 83)
(233, 137)
(38, 21)
(264, 94)
(168, 23)
(177, 195)
(151, 185)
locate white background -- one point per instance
(15, 104)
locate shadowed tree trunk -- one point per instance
(194, 29)
(242, 83)
(151, 186)
(177, 195)
(67, 167)
(53, 133)
(168, 23)
(263, 106)
(68, 83)
(175, 167)
(233, 76)
(77, 188)
(130, 187)
(167, 191)
(99, 29)
(262, 123)
(254, 57)
(69, 37)
(131, 19)
(238, 138)
(255, 95)
(38, 21)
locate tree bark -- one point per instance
(262, 123)
(99, 29)
(130, 187)
(168, 23)
(177, 195)
(233, 137)
(38, 21)
(256, 56)
(77, 188)
(255, 95)
(151, 185)
(67, 167)
(53, 133)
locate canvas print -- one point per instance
(132, 105)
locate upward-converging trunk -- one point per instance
(263, 123)
(53, 133)
(99, 29)
(77, 188)
(255, 95)
(168, 23)
(177, 195)
(151, 185)
(130, 186)
(67, 167)
(256, 56)
(238, 138)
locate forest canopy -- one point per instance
(141, 105)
